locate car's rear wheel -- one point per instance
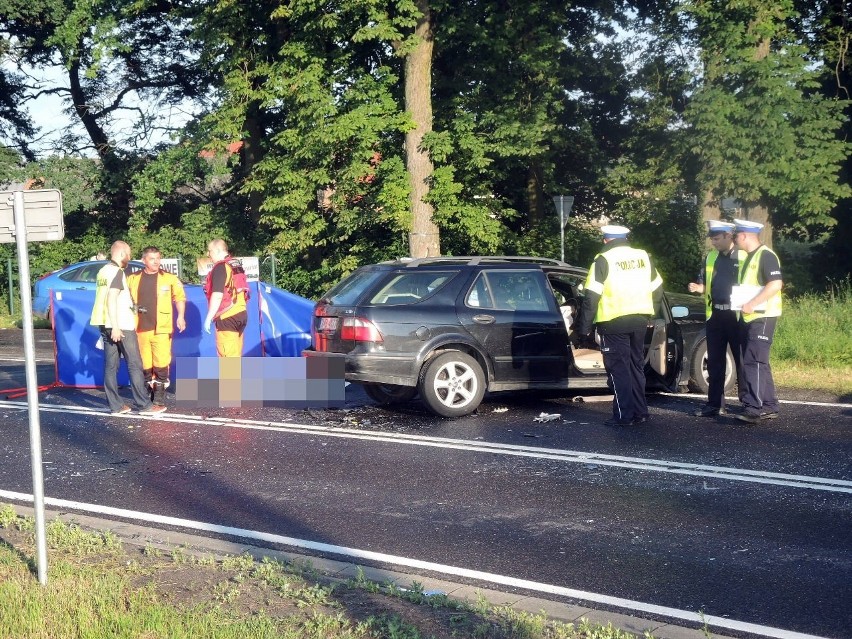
(453, 384)
(698, 377)
(386, 394)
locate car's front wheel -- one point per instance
(453, 384)
(698, 377)
(386, 394)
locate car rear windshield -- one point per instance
(408, 288)
(348, 291)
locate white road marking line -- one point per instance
(563, 455)
(357, 553)
(780, 401)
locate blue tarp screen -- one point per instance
(279, 326)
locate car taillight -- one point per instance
(357, 329)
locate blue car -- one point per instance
(75, 277)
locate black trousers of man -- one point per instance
(723, 331)
(624, 361)
(758, 393)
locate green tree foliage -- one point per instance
(310, 91)
(826, 28)
(298, 141)
(521, 94)
(761, 130)
(15, 125)
(79, 182)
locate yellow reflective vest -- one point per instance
(100, 314)
(629, 287)
(169, 289)
(708, 276)
(748, 274)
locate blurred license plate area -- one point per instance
(327, 324)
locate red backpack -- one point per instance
(239, 280)
(238, 284)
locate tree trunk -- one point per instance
(424, 239)
(711, 209)
(115, 185)
(87, 116)
(760, 213)
(252, 153)
(535, 196)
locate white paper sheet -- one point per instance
(742, 293)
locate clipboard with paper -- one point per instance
(742, 293)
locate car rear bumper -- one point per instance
(374, 368)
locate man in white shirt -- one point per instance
(114, 313)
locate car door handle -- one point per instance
(82, 288)
(483, 319)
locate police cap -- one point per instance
(613, 231)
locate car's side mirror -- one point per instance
(679, 312)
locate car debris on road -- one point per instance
(547, 417)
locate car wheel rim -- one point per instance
(729, 369)
(455, 384)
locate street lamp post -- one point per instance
(563, 207)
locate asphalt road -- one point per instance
(748, 523)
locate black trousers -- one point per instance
(723, 331)
(624, 361)
(758, 393)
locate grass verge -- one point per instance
(813, 342)
(97, 588)
(17, 321)
(836, 381)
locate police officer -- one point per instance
(758, 297)
(622, 292)
(721, 270)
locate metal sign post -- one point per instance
(45, 223)
(563, 207)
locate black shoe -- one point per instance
(770, 414)
(708, 411)
(641, 420)
(618, 422)
(751, 418)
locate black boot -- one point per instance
(159, 394)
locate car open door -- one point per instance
(513, 314)
(664, 353)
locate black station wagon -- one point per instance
(454, 328)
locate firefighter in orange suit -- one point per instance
(227, 300)
(154, 292)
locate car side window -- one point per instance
(82, 274)
(509, 290)
(565, 289)
(478, 296)
(89, 273)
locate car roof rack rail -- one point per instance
(473, 260)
